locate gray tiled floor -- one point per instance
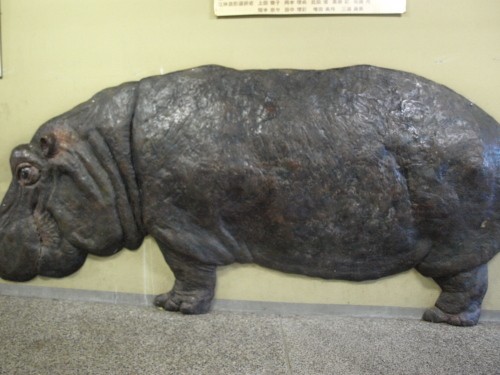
(41, 336)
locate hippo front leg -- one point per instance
(460, 300)
(194, 285)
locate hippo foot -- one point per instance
(187, 302)
(463, 319)
(459, 303)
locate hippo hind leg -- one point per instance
(459, 303)
(194, 285)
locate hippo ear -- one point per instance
(48, 144)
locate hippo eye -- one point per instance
(27, 174)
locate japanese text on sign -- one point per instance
(290, 7)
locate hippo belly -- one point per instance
(331, 217)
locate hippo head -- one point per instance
(67, 199)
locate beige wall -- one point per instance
(57, 53)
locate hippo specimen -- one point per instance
(352, 173)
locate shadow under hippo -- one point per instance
(353, 173)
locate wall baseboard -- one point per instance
(281, 308)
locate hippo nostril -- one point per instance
(3, 208)
(9, 200)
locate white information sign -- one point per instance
(293, 7)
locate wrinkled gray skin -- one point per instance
(353, 173)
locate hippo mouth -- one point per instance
(32, 245)
(46, 230)
(57, 257)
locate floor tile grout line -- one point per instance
(285, 347)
